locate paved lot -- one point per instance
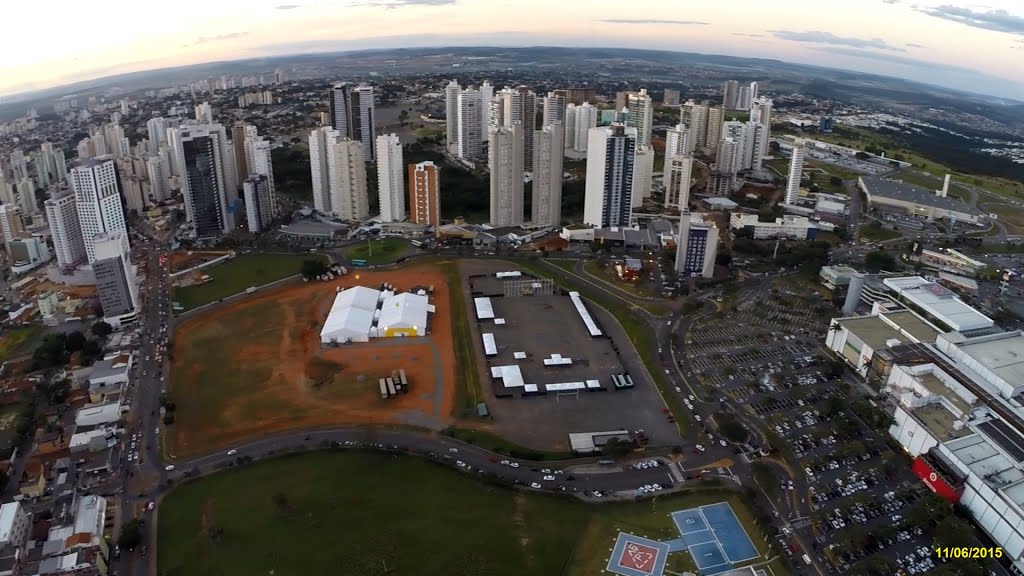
(545, 325)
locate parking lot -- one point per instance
(762, 353)
(537, 327)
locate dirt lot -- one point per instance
(256, 366)
(541, 326)
(69, 291)
(179, 261)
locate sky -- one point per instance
(973, 47)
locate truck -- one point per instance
(403, 380)
(391, 386)
(383, 389)
(250, 289)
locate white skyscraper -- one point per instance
(98, 199)
(207, 163)
(754, 92)
(761, 112)
(714, 127)
(586, 119)
(519, 104)
(6, 191)
(727, 156)
(640, 115)
(66, 230)
(204, 113)
(318, 166)
(570, 126)
(506, 166)
(486, 97)
(678, 140)
(346, 169)
(451, 100)
(695, 117)
(27, 196)
(548, 155)
(611, 152)
(116, 281)
(470, 118)
(643, 175)
(678, 177)
(259, 202)
(60, 166)
(390, 178)
(156, 131)
(157, 179)
(553, 109)
(259, 162)
(796, 172)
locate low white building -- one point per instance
(98, 415)
(361, 313)
(794, 227)
(109, 376)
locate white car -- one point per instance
(696, 417)
(453, 450)
(514, 464)
(151, 505)
(535, 486)
(700, 448)
(232, 452)
(169, 468)
(460, 464)
(546, 470)
(549, 478)
(723, 442)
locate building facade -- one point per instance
(390, 180)
(506, 178)
(425, 194)
(98, 200)
(259, 202)
(116, 282)
(549, 152)
(611, 152)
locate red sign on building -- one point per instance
(934, 480)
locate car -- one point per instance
(453, 450)
(151, 505)
(535, 486)
(549, 478)
(546, 470)
(169, 468)
(723, 443)
(514, 464)
(700, 448)
(460, 464)
(232, 452)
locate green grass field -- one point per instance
(375, 514)
(467, 391)
(240, 273)
(378, 251)
(17, 342)
(1010, 215)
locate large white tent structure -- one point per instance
(351, 316)
(361, 313)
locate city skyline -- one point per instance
(962, 47)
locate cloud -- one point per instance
(748, 35)
(891, 1)
(218, 38)
(391, 4)
(287, 7)
(652, 21)
(913, 45)
(998, 20)
(817, 37)
(894, 59)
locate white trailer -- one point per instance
(383, 389)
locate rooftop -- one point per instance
(938, 301)
(940, 422)
(1003, 354)
(876, 332)
(899, 190)
(110, 367)
(8, 512)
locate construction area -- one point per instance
(554, 364)
(258, 365)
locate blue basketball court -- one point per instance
(714, 537)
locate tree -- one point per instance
(616, 448)
(75, 341)
(131, 535)
(101, 329)
(878, 260)
(313, 267)
(835, 181)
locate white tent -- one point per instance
(351, 316)
(404, 314)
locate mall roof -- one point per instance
(938, 301)
(899, 190)
(1003, 354)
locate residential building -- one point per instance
(10, 223)
(696, 246)
(470, 118)
(321, 181)
(554, 107)
(486, 97)
(259, 162)
(678, 140)
(156, 130)
(98, 200)
(678, 179)
(346, 168)
(796, 172)
(259, 202)
(451, 98)
(519, 104)
(156, 172)
(695, 117)
(506, 167)
(761, 112)
(204, 113)
(116, 281)
(726, 158)
(643, 175)
(611, 152)
(66, 230)
(549, 152)
(586, 119)
(239, 136)
(27, 196)
(15, 526)
(714, 127)
(640, 115)
(207, 164)
(730, 95)
(363, 124)
(390, 180)
(425, 194)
